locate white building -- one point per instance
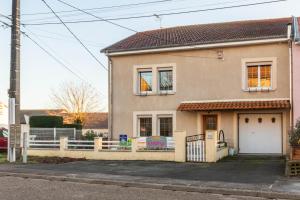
(3, 115)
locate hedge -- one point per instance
(46, 121)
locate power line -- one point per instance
(82, 44)
(53, 57)
(130, 14)
(102, 8)
(149, 16)
(58, 61)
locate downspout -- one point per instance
(110, 99)
(289, 32)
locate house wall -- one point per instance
(296, 81)
(199, 76)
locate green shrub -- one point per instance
(90, 135)
(295, 135)
(46, 121)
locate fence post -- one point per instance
(54, 134)
(74, 134)
(97, 144)
(211, 146)
(180, 146)
(134, 145)
(63, 143)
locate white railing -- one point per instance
(44, 144)
(54, 133)
(195, 148)
(80, 144)
(116, 145)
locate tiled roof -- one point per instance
(203, 34)
(235, 105)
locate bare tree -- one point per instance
(76, 99)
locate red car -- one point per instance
(3, 138)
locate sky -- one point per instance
(40, 74)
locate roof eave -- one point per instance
(200, 46)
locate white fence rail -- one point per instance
(81, 144)
(44, 144)
(116, 145)
(195, 148)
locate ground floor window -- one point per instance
(145, 126)
(154, 123)
(165, 126)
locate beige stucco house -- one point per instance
(233, 76)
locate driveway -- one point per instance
(262, 170)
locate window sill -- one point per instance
(258, 90)
(161, 93)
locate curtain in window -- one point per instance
(145, 126)
(265, 76)
(145, 81)
(252, 76)
(165, 80)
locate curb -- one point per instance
(211, 190)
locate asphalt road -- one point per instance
(13, 188)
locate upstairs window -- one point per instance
(165, 79)
(145, 81)
(156, 79)
(259, 76)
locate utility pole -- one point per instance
(14, 151)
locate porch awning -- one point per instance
(234, 105)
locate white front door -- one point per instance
(260, 134)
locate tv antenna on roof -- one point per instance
(159, 19)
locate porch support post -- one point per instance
(180, 146)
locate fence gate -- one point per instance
(195, 148)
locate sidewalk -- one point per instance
(249, 177)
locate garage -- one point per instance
(260, 134)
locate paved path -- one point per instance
(12, 188)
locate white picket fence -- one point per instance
(195, 148)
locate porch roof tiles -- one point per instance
(234, 105)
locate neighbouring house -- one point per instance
(3, 115)
(233, 76)
(296, 69)
(96, 122)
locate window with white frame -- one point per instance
(145, 126)
(165, 79)
(259, 76)
(165, 126)
(154, 79)
(154, 123)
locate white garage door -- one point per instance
(260, 134)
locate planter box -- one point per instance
(295, 153)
